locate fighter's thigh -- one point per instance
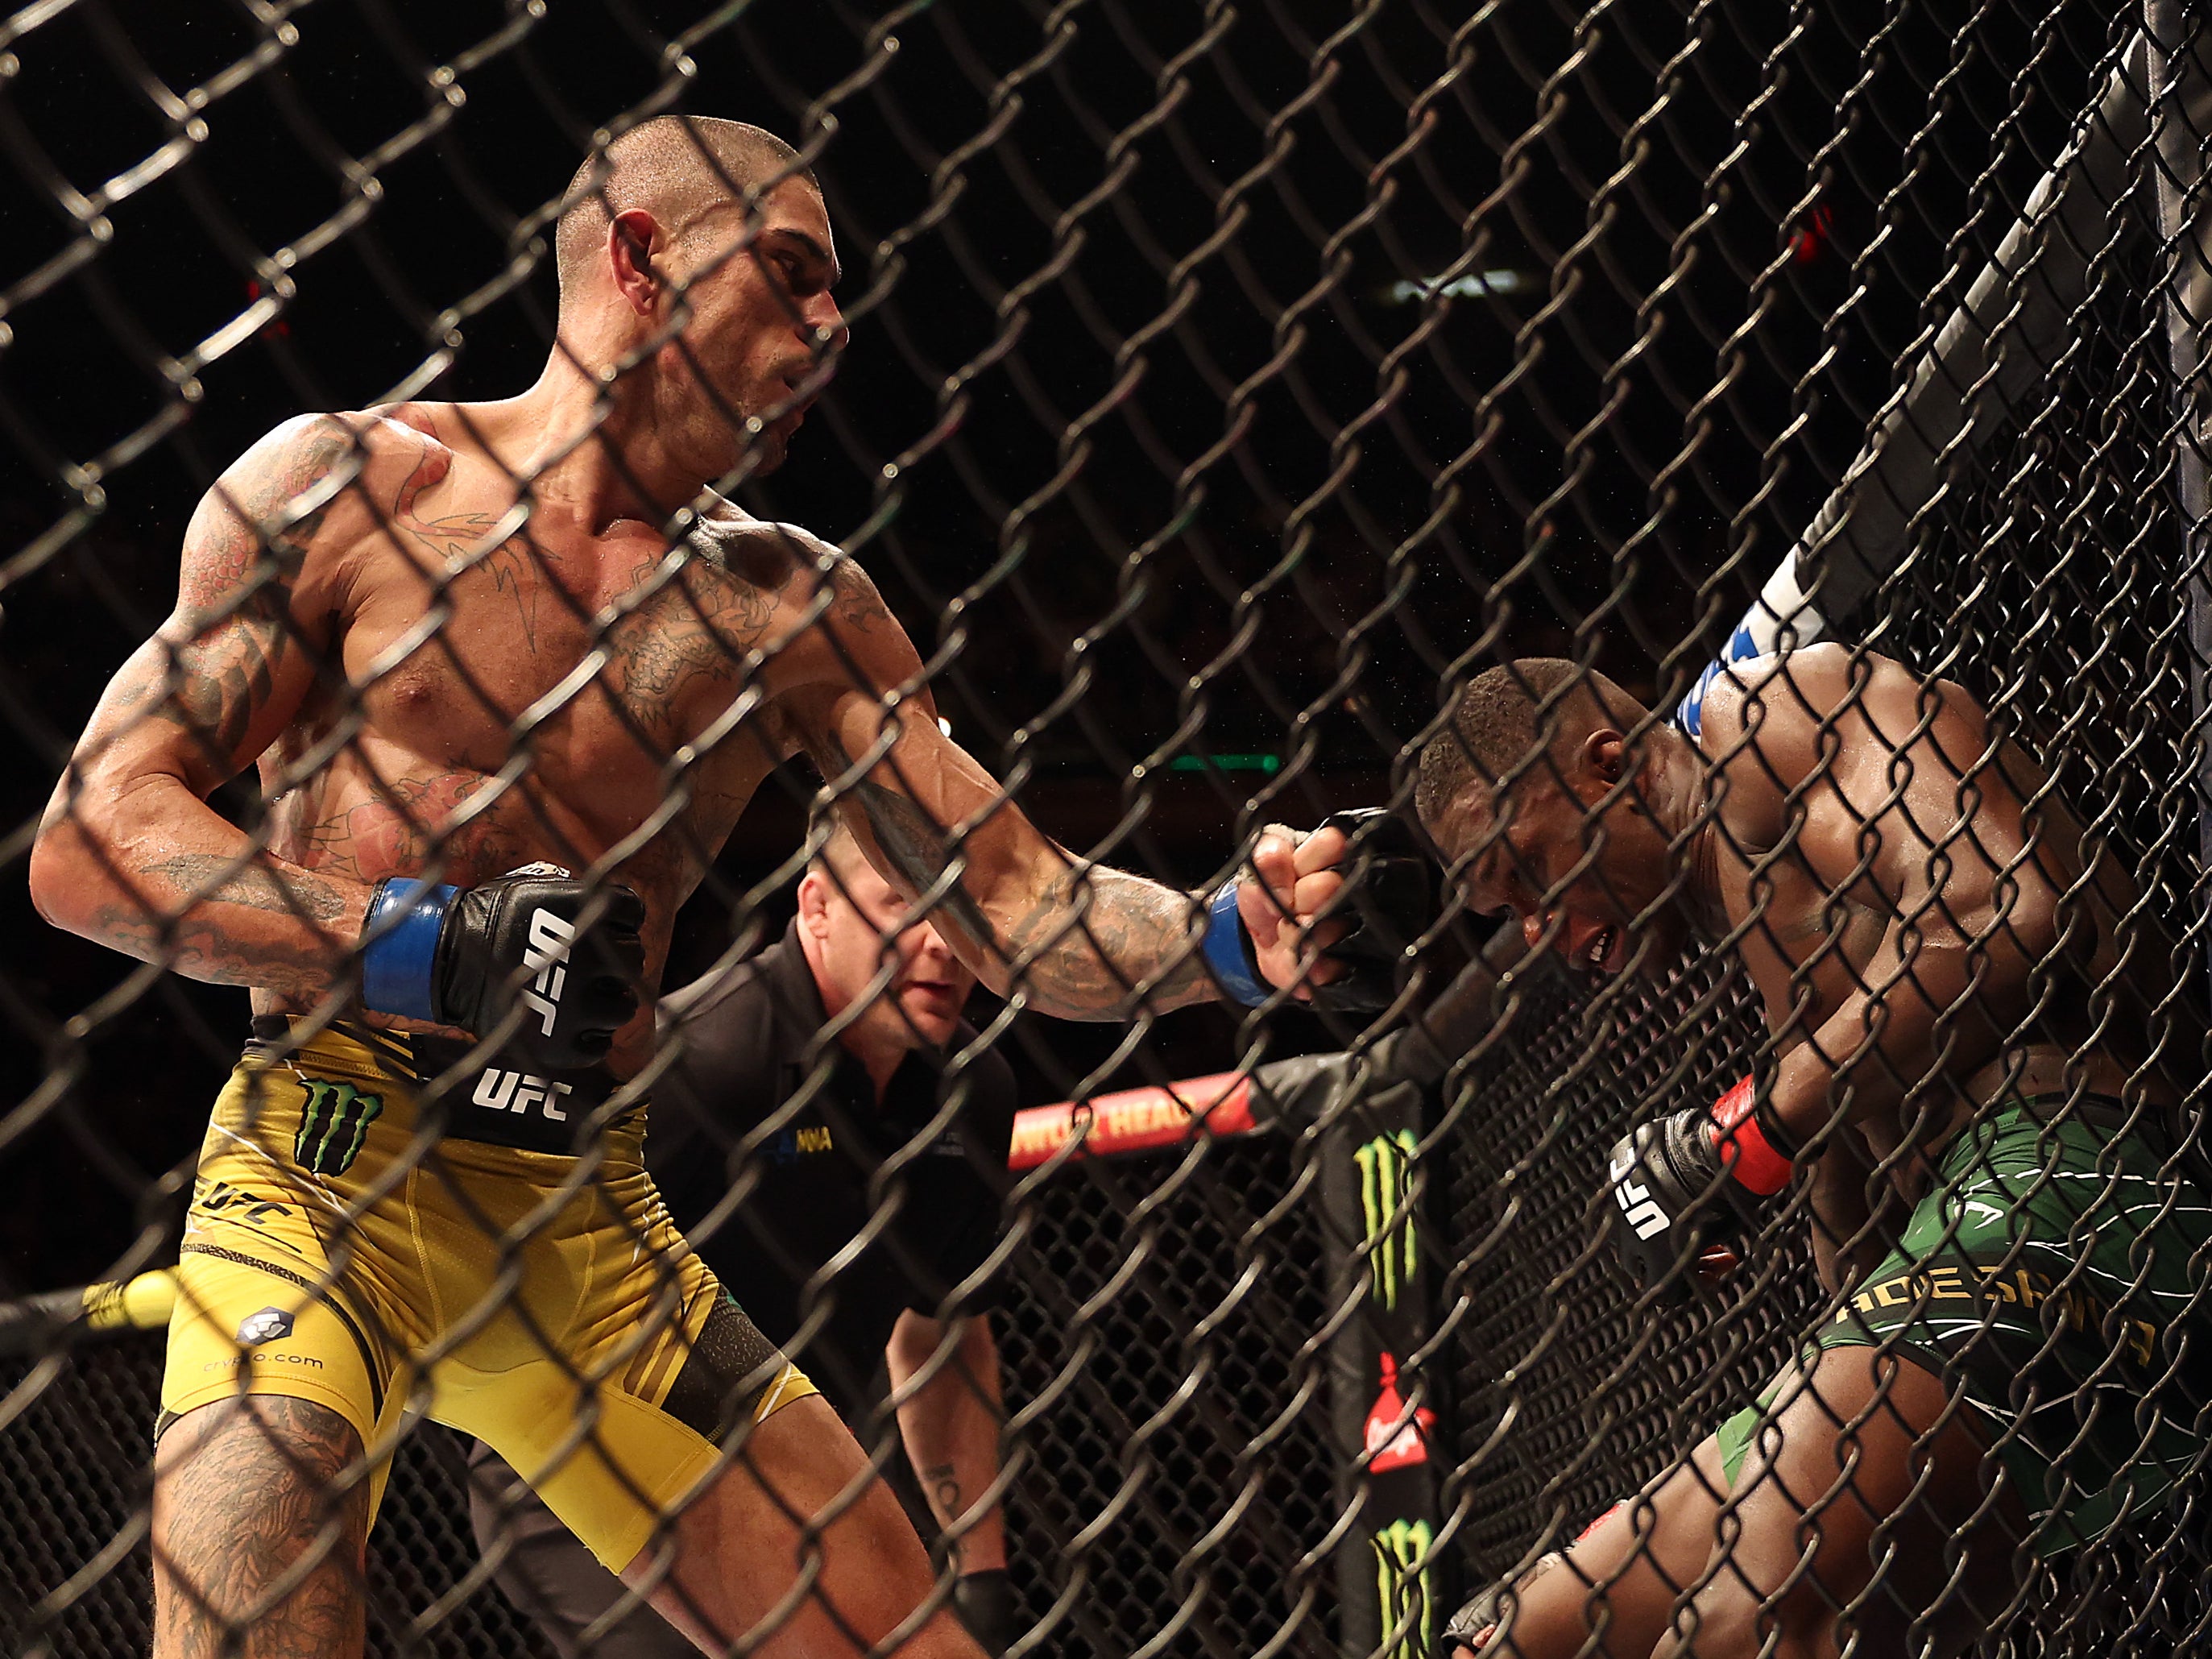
(260, 1518)
(247, 1327)
(1866, 1496)
(1620, 1580)
(794, 1491)
(612, 1464)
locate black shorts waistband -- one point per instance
(503, 1102)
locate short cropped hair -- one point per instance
(679, 168)
(1498, 721)
(838, 858)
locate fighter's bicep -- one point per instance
(260, 587)
(199, 708)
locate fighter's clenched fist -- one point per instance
(1299, 881)
(1332, 913)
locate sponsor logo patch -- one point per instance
(270, 1325)
(1394, 1438)
(521, 1092)
(334, 1122)
(789, 1145)
(1386, 1209)
(1403, 1551)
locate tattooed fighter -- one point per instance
(499, 721)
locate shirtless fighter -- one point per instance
(1975, 1054)
(468, 662)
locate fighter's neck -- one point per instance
(581, 453)
(1683, 800)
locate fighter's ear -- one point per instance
(1605, 756)
(633, 241)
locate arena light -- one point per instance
(1267, 763)
(1475, 285)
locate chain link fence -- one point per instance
(1225, 387)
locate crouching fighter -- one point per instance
(1971, 1087)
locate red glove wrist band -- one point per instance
(1751, 1157)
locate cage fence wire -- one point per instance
(1225, 385)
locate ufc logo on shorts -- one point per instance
(547, 956)
(518, 1091)
(1635, 1202)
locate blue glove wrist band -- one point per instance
(405, 920)
(1229, 950)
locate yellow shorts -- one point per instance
(360, 1238)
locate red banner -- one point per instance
(1134, 1119)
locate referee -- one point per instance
(805, 1100)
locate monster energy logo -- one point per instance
(334, 1120)
(1400, 1549)
(1386, 1186)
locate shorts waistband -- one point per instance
(2106, 1112)
(497, 1104)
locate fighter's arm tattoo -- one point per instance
(1074, 939)
(1091, 942)
(214, 666)
(150, 868)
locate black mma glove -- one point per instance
(985, 1603)
(566, 954)
(1689, 1181)
(1304, 1090)
(1474, 1624)
(1390, 901)
(1392, 892)
(1478, 1621)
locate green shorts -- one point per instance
(2047, 1275)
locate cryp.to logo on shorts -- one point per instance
(270, 1325)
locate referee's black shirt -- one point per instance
(762, 1109)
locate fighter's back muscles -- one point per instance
(1854, 793)
(129, 852)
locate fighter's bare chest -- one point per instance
(603, 672)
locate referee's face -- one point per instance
(856, 936)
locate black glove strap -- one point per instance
(985, 1603)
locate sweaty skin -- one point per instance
(434, 678)
(1909, 899)
(454, 639)
(1904, 891)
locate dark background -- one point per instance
(1179, 471)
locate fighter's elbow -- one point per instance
(90, 833)
(60, 881)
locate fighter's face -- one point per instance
(1587, 873)
(764, 333)
(858, 932)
